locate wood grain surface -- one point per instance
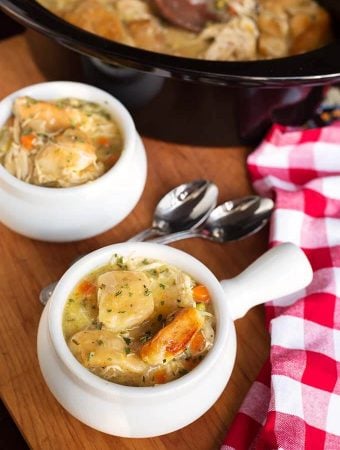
(27, 265)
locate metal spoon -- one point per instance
(233, 220)
(185, 207)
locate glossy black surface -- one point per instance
(313, 68)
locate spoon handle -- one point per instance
(144, 235)
(167, 239)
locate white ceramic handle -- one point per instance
(280, 271)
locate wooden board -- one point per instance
(27, 265)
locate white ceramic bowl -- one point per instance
(151, 411)
(74, 213)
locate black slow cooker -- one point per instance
(190, 100)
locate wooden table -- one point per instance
(27, 265)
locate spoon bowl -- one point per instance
(233, 220)
(185, 207)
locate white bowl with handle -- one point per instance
(151, 411)
(78, 212)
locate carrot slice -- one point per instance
(201, 294)
(27, 141)
(104, 141)
(86, 288)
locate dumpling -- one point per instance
(99, 18)
(103, 348)
(39, 116)
(70, 159)
(124, 299)
(232, 41)
(174, 338)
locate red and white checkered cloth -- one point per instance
(295, 401)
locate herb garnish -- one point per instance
(146, 337)
(146, 290)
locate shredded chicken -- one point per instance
(233, 41)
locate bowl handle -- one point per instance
(280, 271)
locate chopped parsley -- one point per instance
(146, 290)
(146, 337)
(120, 262)
(90, 356)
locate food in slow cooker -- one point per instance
(60, 143)
(224, 30)
(139, 322)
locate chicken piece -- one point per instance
(142, 26)
(149, 35)
(242, 7)
(291, 27)
(103, 348)
(133, 10)
(124, 299)
(233, 41)
(101, 19)
(274, 38)
(58, 6)
(68, 160)
(39, 116)
(309, 31)
(174, 338)
(18, 163)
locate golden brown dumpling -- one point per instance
(174, 338)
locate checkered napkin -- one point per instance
(295, 401)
